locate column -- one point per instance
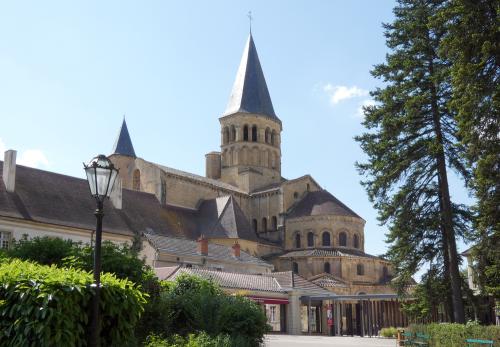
(338, 318)
(293, 314)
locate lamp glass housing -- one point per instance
(101, 175)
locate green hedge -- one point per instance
(454, 335)
(48, 306)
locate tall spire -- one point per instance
(123, 144)
(250, 93)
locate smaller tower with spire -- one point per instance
(250, 139)
(123, 144)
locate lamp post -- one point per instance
(101, 175)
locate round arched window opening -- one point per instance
(310, 239)
(326, 239)
(356, 241)
(297, 241)
(343, 239)
(326, 268)
(360, 269)
(295, 268)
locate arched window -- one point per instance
(295, 268)
(264, 224)
(254, 225)
(356, 241)
(385, 273)
(245, 133)
(326, 268)
(326, 238)
(360, 269)
(225, 136)
(274, 223)
(233, 133)
(308, 187)
(136, 180)
(343, 239)
(297, 241)
(267, 136)
(273, 137)
(310, 239)
(295, 195)
(254, 133)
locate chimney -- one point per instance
(116, 194)
(236, 249)
(202, 245)
(9, 170)
(213, 165)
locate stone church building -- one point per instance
(243, 217)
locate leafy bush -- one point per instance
(121, 260)
(389, 332)
(196, 340)
(43, 250)
(194, 305)
(47, 306)
(454, 335)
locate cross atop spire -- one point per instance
(250, 93)
(123, 144)
(249, 15)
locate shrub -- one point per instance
(195, 340)
(194, 305)
(47, 306)
(121, 260)
(43, 250)
(454, 335)
(389, 332)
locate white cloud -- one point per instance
(30, 157)
(340, 93)
(33, 158)
(367, 102)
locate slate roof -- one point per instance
(222, 217)
(288, 279)
(184, 247)
(330, 252)
(209, 181)
(123, 144)
(52, 198)
(49, 197)
(320, 202)
(250, 93)
(279, 282)
(326, 280)
(225, 279)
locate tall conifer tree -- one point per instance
(411, 142)
(473, 45)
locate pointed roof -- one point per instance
(250, 93)
(123, 144)
(321, 202)
(222, 217)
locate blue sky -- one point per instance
(70, 70)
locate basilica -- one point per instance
(286, 243)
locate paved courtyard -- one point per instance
(310, 341)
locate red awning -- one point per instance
(264, 300)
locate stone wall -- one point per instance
(331, 224)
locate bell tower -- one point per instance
(250, 130)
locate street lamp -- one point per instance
(101, 175)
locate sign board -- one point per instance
(329, 315)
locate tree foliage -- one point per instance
(473, 44)
(412, 142)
